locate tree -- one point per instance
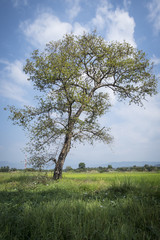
(73, 76)
(68, 168)
(82, 165)
(110, 166)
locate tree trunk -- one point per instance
(61, 159)
(67, 144)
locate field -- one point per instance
(81, 206)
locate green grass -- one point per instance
(81, 206)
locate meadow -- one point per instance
(81, 206)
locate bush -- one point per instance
(30, 170)
(13, 169)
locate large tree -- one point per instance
(75, 77)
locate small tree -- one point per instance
(109, 166)
(68, 168)
(82, 165)
(73, 76)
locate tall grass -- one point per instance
(80, 206)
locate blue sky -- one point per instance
(26, 25)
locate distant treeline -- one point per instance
(82, 168)
(145, 168)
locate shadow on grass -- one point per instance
(55, 192)
(25, 178)
(28, 191)
(34, 198)
(60, 215)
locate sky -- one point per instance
(26, 25)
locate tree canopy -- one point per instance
(81, 165)
(74, 75)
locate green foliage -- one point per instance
(29, 170)
(4, 169)
(82, 165)
(110, 166)
(113, 206)
(13, 169)
(75, 76)
(68, 168)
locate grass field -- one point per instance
(81, 206)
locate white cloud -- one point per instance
(78, 29)
(117, 23)
(137, 128)
(101, 14)
(154, 14)
(12, 91)
(155, 60)
(75, 8)
(14, 71)
(48, 27)
(13, 81)
(17, 3)
(126, 4)
(45, 28)
(121, 27)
